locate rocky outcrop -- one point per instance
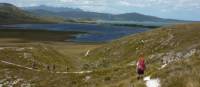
(172, 56)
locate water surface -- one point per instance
(95, 32)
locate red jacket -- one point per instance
(141, 64)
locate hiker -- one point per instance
(67, 68)
(34, 65)
(140, 66)
(54, 67)
(48, 68)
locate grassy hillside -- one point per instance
(161, 40)
(110, 65)
(10, 14)
(177, 46)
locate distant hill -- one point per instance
(12, 14)
(137, 17)
(53, 9)
(46, 14)
(71, 13)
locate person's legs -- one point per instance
(138, 77)
(140, 74)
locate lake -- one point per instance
(95, 32)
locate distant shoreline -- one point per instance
(38, 34)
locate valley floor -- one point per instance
(171, 53)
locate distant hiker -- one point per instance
(48, 68)
(67, 68)
(34, 65)
(54, 67)
(140, 66)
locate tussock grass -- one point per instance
(184, 73)
(161, 40)
(109, 62)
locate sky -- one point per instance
(174, 9)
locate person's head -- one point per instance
(141, 55)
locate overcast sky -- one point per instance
(176, 9)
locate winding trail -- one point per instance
(149, 82)
(9, 63)
(21, 66)
(17, 65)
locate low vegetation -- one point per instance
(177, 46)
(107, 65)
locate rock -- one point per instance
(30, 48)
(27, 55)
(168, 58)
(115, 53)
(20, 49)
(147, 78)
(163, 66)
(190, 53)
(2, 81)
(153, 83)
(16, 81)
(26, 85)
(179, 55)
(87, 78)
(1, 48)
(87, 53)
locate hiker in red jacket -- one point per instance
(140, 66)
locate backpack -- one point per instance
(141, 64)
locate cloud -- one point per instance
(129, 4)
(82, 2)
(170, 4)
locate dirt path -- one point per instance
(17, 65)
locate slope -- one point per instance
(12, 14)
(172, 55)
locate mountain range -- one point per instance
(47, 14)
(76, 13)
(53, 9)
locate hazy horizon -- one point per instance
(172, 9)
